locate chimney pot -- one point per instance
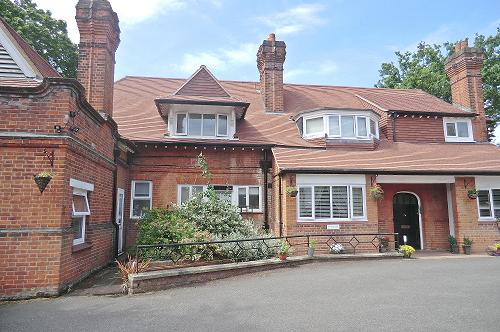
(272, 37)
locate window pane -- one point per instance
(222, 125)
(322, 202)
(141, 189)
(362, 130)
(339, 202)
(196, 190)
(208, 124)
(184, 194)
(139, 206)
(347, 126)
(496, 202)
(80, 204)
(373, 128)
(181, 123)
(450, 129)
(253, 197)
(194, 124)
(242, 197)
(314, 126)
(357, 202)
(77, 225)
(334, 125)
(462, 129)
(305, 202)
(225, 193)
(484, 203)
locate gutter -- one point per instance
(384, 172)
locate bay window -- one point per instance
(348, 126)
(141, 198)
(202, 124)
(331, 202)
(488, 201)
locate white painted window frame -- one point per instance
(140, 198)
(234, 195)
(217, 115)
(456, 139)
(350, 209)
(492, 206)
(81, 188)
(326, 125)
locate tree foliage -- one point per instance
(48, 36)
(424, 69)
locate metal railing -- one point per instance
(264, 247)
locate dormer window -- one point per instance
(339, 125)
(202, 124)
(458, 130)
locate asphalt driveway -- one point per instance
(448, 294)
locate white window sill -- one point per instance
(331, 220)
(488, 219)
(222, 138)
(456, 140)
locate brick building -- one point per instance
(116, 149)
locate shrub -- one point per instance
(160, 225)
(467, 241)
(407, 250)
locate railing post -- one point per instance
(308, 242)
(136, 259)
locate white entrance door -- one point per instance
(120, 202)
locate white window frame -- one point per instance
(455, 138)
(140, 198)
(234, 195)
(350, 209)
(186, 133)
(80, 188)
(326, 126)
(492, 206)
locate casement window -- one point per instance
(247, 198)
(141, 199)
(458, 130)
(339, 126)
(80, 209)
(322, 202)
(202, 125)
(488, 202)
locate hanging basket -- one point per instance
(42, 181)
(472, 194)
(376, 192)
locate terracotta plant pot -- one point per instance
(42, 182)
(283, 257)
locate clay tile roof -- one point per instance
(202, 83)
(138, 118)
(39, 63)
(393, 157)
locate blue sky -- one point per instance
(336, 42)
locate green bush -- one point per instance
(160, 225)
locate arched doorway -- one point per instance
(406, 212)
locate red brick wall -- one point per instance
(37, 227)
(169, 167)
(433, 201)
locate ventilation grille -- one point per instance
(8, 67)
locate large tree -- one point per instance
(48, 36)
(424, 69)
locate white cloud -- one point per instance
(309, 70)
(129, 12)
(221, 59)
(295, 19)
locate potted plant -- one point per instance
(292, 191)
(337, 248)
(406, 250)
(311, 248)
(377, 192)
(467, 243)
(42, 179)
(472, 193)
(453, 244)
(383, 244)
(283, 250)
(497, 247)
(498, 222)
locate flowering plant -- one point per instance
(407, 250)
(337, 248)
(377, 192)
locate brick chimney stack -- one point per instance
(463, 68)
(270, 60)
(99, 39)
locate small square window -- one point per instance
(80, 205)
(450, 130)
(141, 199)
(78, 226)
(462, 129)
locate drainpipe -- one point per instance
(116, 154)
(394, 116)
(280, 205)
(264, 165)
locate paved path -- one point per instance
(391, 295)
